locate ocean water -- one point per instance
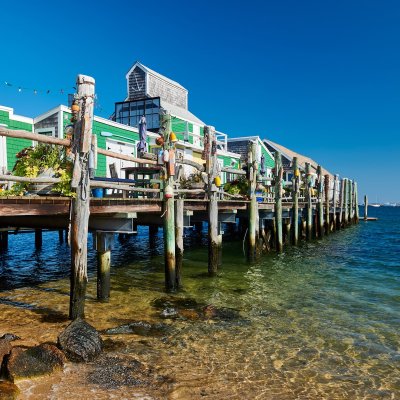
(320, 321)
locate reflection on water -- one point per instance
(318, 322)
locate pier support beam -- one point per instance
(214, 242)
(278, 201)
(104, 243)
(327, 204)
(169, 215)
(179, 241)
(38, 238)
(334, 201)
(295, 196)
(346, 201)
(60, 236)
(342, 202)
(3, 241)
(365, 208)
(80, 204)
(309, 217)
(351, 211)
(320, 204)
(252, 207)
(356, 209)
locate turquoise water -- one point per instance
(318, 321)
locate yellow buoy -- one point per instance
(217, 181)
(172, 137)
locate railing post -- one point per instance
(295, 195)
(80, 204)
(278, 201)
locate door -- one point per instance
(120, 148)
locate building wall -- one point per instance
(14, 145)
(49, 122)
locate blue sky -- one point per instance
(320, 77)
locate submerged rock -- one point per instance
(5, 349)
(80, 341)
(9, 337)
(221, 313)
(141, 328)
(8, 391)
(35, 361)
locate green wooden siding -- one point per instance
(269, 161)
(14, 145)
(178, 126)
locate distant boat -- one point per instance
(375, 205)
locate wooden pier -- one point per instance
(310, 208)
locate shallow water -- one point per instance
(317, 322)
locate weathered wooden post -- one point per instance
(61, 236)
(295, 196)
(342, 201)
(169, 211)
(278, 200)
(214, 242)
(179, 203)
(80, 204)
(252, 207)
(3, 241)
(327, 203)
(356, 210)
(334, 200)
(38, 238)
(320, 204)
(104, 242)
(309, 201)
(350, 201)
(346, 202)
(365, 208)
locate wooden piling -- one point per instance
(356, 209)
(253, 205)
(334, 201)
(346, 202)
(342, 202)
(3, 241)
(214, 242)
(278, 201)
(365, 208)
(104, 242)
(350, 201)
(80, 204)
(327, 203)
(60, 236)
(38, 238)
(169, 215)
(309, 201)
(295, 196)
(320, 204)
(179, 203)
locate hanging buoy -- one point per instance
(217, 181)
(296, 172)
(169, 192)
(160, 158)
(166, 156)
(171, 163)
(172, 137)
(160, 141)
(75, 107)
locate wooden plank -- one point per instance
(14, 178)
(125, 157)
(21, 134)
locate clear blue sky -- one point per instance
(320, 77)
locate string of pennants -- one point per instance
(38, 91)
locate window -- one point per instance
(130, 112)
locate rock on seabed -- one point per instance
(80, 341)
(8, 391)
(35, 361)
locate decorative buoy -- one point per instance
(160, 141)
(169, 192)
(75, 107)
(217, 181)
(172, 137)
(166, 156)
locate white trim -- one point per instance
(60, 124)
(49, 129)
(16, 117)
(3, 149)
